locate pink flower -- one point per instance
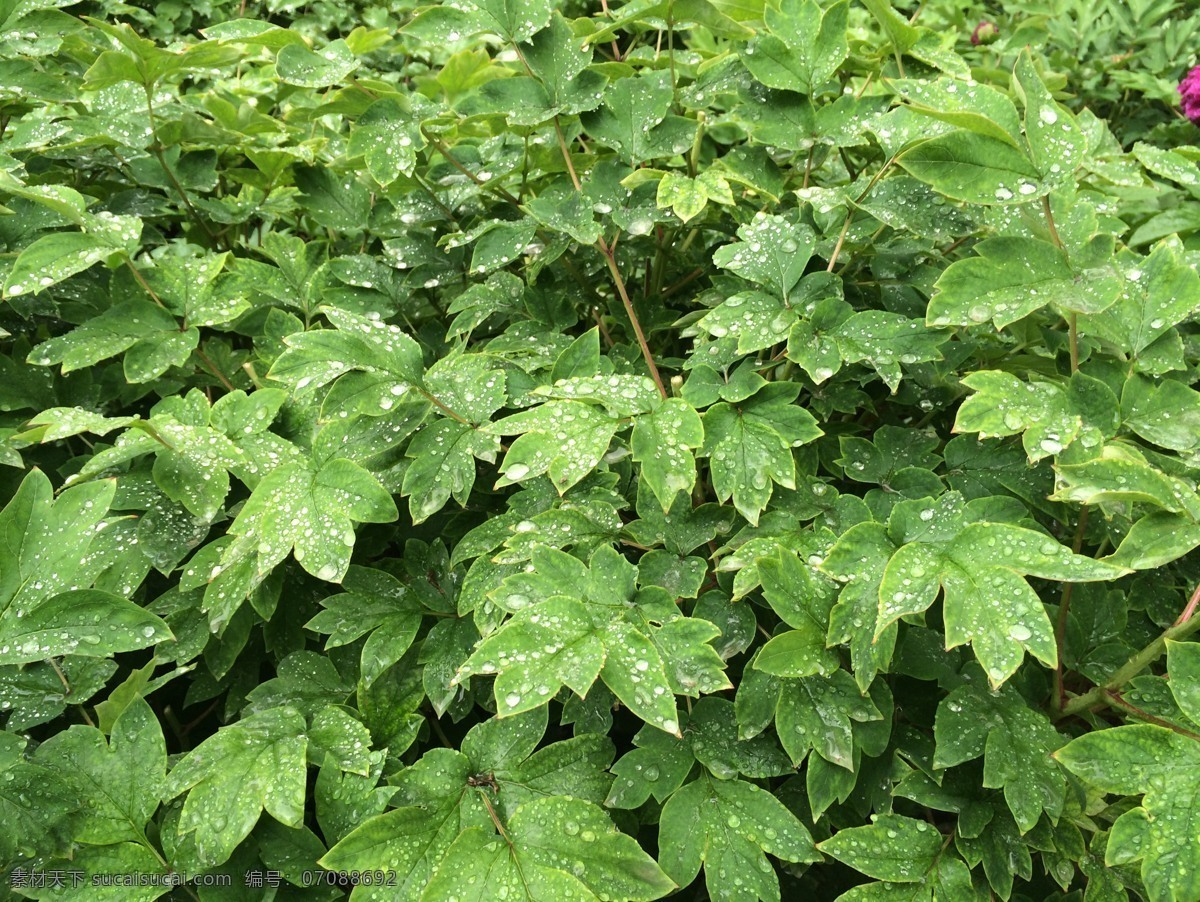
(1189, 91)
(985, 33)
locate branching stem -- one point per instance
(1187, 624)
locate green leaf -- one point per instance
(1183, 666)
(516, 21)
(44, 546)
(344, 737)
(1161, 833)
(1016, 743)
(1056, 142)
(979, 169)
(149, 336)
(1160, 293)
(635, 120)
(297, 65)
(562, 209)
(1048, 416)
(975, 107)
(564, 439)
(885, 341)
(480, 866)
(122, 780)
(436, 807)
(576, 836)
(300, 507)
(859, 559)
(1167, 415)
(620, 395)
(749, 446)
(118, 858)
(662, 442)
(53, 258)
(805, 46)
(1121, 475)
(388, 135)
(563, 625)
(1008, 280)
(254, 764)
(893, 848)
(574, 624)
(817, 713)
(772, 252)
(729, 826)
(1156, 539)
(80, 622)
(791, 592)
(336, 202)
(374, 602)
(315, 358)
(987, 601)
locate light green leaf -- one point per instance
(1183, 667)
(121, 780)
(772, 252)
(1121, 475)
(1009, 279)
(564, 439)
(1167, 415)
(749, 446)
(975, 107)
(300, 507)
(1047, 415)
(254, 764)
(756, 319)
(559, 623)
(436, 806)
(43, 540)
(150, 337)
(1156, 539)
(662, 442)
(53, 258)
(344, 737)
(1143, 758)
(978, 169)
(388, 135)
(981, 568)
(621, 395)
(297, 65)
(884, 341)
(635, 120)
(1056, 142)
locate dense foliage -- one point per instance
(515, 449)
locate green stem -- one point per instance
(1099, 695)
(1072, 317)
(157, 149)
(1064, 608)
(440, 146)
